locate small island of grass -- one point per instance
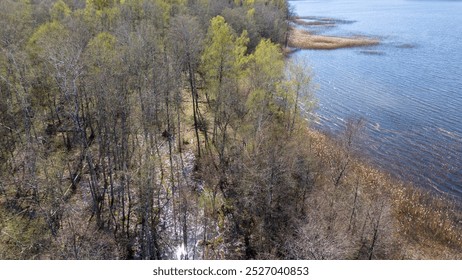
(303, 39)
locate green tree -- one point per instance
(266, 73)
(60, 10)
(223, 63)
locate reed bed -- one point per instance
(303, 39)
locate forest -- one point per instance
(180, 129)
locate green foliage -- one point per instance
(60, 10)
(103, 44)
(51, 32)
(255, 98)
(100, 4)
(219, 49)
(267, 72)
(224, 54)
(169, 9)
(269, 61)
(100, 14)
(244, 2)
(101, 51)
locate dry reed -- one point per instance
(302, 39)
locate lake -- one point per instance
(408, 88)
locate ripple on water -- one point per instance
(411, 96)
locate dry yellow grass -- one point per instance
(305, 40)
(420, 225)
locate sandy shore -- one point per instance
(303, 39)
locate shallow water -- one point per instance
(408, 88)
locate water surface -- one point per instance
(408, 88)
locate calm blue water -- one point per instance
(408, 88)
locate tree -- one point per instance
(266, 74)
(271, 20)
(296, 92)
(223, 63)
(60, 11)
(186, 40)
